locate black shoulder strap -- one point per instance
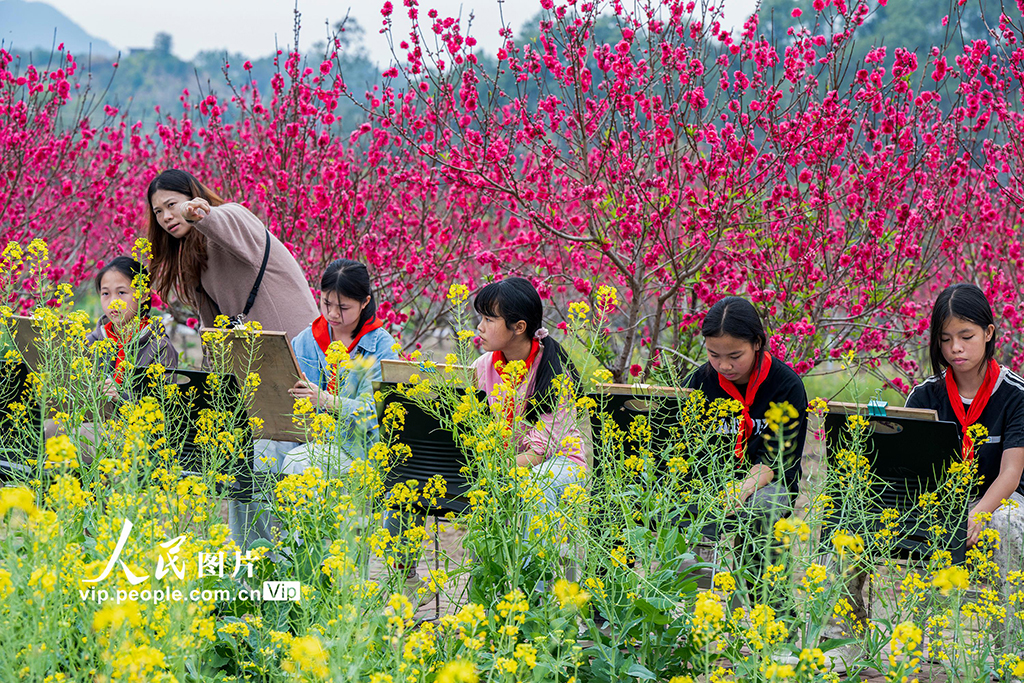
(255, 288)
(259, 278)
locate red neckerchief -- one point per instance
(111, 333)
(499, 357)
(977, 405)
(322, 335)
(368, 326)
(746, 424)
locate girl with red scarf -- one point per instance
(348, 320)
(970, 388)
(123, 286)
(510, 330)
(124, 336)
(740, 368)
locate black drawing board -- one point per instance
(909, 454)
(183, 424)
(433, 447)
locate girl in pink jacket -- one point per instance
(510, 330)
(548, 437)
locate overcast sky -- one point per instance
(251, 26)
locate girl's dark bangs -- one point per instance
(486, 302)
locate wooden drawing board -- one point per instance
(841, 408)
(401, 371)
(639, 390)
(25, 339)
(278, 370)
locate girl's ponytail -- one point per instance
(552, 363)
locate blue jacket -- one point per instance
(357, 419)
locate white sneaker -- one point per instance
(785, 658)
(839, 659)
(417, 589)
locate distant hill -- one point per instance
(148, 80)
(29, 26)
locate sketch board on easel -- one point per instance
(24, 338)
(275, 362)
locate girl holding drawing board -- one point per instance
(339, 355)
(549, 441)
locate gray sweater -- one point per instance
(235, 241)
(150, 348)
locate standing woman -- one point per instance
(211, 255)
(222, 260)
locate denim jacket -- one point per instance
(357, 417)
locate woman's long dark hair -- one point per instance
(736, 317)
(514, 299)
(131, 269)
(351, 280)
(178, 263)
(964, 301)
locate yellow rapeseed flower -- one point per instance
(60, 452)
(307, 657)
(578, 312)
(458, 671)
(457, 294)
(607, 298)
(142, 251)
(116, 616)
(857, 423)
(845, 542)
(6, 586)
(569, 595)
(13, 256)
(950, 578)
(17, 498)
(788, 528)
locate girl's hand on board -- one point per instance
(975, 525)
(111, 389)
(318, 397)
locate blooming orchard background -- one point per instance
(642, 147)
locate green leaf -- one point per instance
(637, 671)
(656, 613)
